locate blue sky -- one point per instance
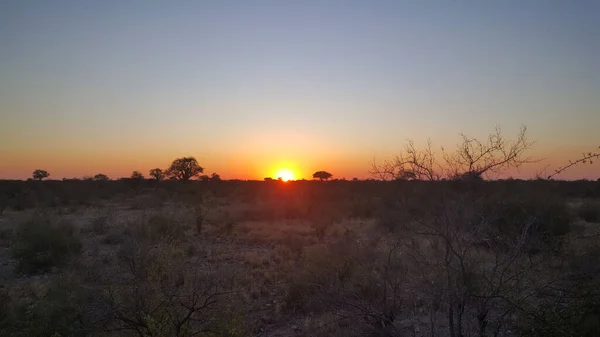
(114, 86)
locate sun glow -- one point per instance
(285, 174)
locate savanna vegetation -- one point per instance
(427, 249)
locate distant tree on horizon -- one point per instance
(40, 174)
(184, 168)
(157, 174)
(204, 177)
(101, 177)
(137, 175)
(215, 177)
(322, 175)
(268, 179)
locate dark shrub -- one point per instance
(590, 211)
(42, 244)
(547, 218)
(59, 313)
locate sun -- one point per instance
(285, 174)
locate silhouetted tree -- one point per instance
(137, 175)
(215, 177)
(268, 179)
(470, 161)
(204, 177)
(101, 177)
(322, 175)
(40, 174)
(184, 168)
(157, 174)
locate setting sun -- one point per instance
(285, 174)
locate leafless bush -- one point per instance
(470, 160)
(155, 294)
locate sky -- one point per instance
(249, 87)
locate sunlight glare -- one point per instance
(285, 174)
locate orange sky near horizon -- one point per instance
(258, 163)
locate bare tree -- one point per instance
(472, 159)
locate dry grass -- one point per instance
(300, 259)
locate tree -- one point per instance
(471, 160)
(137, 175)
(157, 174)
(40, 174)
(184, 168)
(215, 177)
(101, 177)
(322, 175)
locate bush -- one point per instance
(158, 227)
(4, 311)
(590, 211)
(579, 316)
(42, 244)
(57, 314)
(548, 216)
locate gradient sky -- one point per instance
(249, 86)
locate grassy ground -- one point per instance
(299, 259)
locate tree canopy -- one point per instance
(184, 168)
(101, 177)
(157, 174)
(40, 174)
(322, 175)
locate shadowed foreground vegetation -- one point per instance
(306, 258)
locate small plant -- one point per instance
(100, 224)
(320, 228)
(42, 244)
(160, 227)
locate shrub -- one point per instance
(42, 244)
(548, 217)
(590, 211)
(57, 314)
(100, 224)
(4, 311)
(158, 227)
(579, 316)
